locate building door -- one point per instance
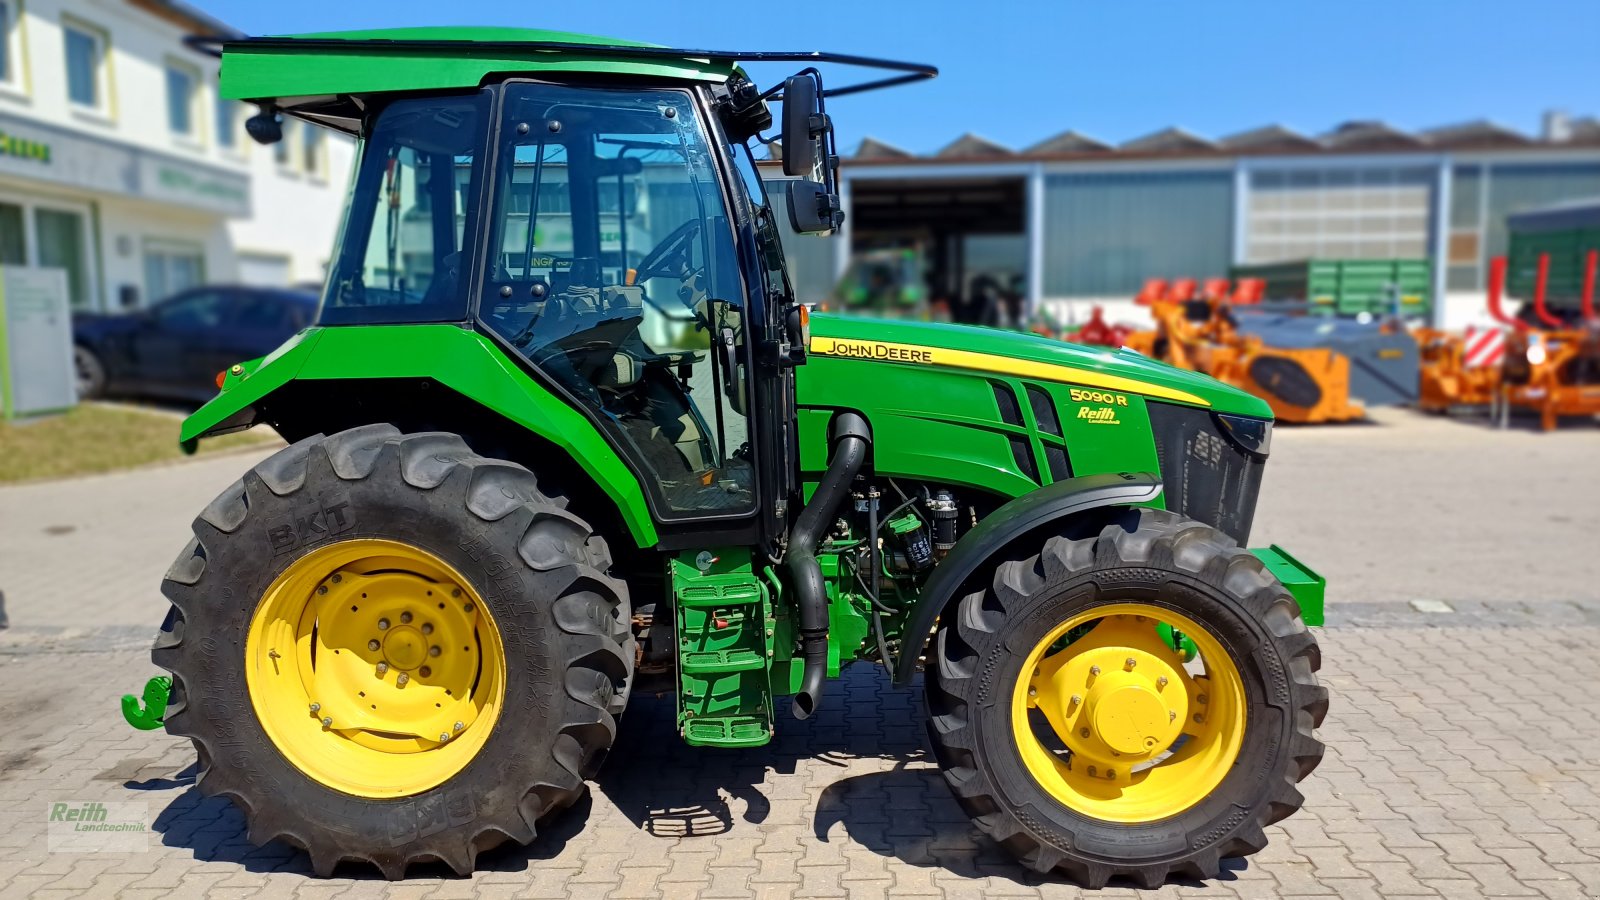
(13, 240)
(63, 243)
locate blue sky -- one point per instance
(1018, 72)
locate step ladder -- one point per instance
(725, 633)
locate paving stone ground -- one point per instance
(1463, 747)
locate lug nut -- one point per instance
(443, 737)
(373, 644)
(1076, 699)
(434, 650)
(1094, 670)
(383, 667)
(316, 707)
(1200, 699)
(336, 578)
(405, 618)
(322, 589)
(1111, 773)
(427, 628)
(1131, 662)
(467, 608)
(327, 722)
(383, 624)
(1083, 733)
(458, 726)
(1091, 772)
(1199, 718)
(402, 679)
(1033, 692)
(455, 592)
(1172, 715)
(1161, 682)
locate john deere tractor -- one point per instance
(561, 433)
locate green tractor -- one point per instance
(561, 434)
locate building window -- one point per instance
(281, 150)
(311, 147)
(1339, 213)
(182, 85)
(8, 64)
(171, 267)
(63, 244)
(85, 50)
(227, 124)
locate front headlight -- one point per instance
(1252, 435)
(1536, 353)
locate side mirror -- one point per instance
(803, 127)
(265, 127)
(812, 210)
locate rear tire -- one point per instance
(561, 625)
(1144, 565)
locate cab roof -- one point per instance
(438, 58)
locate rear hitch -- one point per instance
(156, 693)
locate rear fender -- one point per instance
(1051, 504)
(458, 358)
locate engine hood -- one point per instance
(877, 342)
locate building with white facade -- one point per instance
(120, 163)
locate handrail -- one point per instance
(214, 45)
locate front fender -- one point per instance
(1051, 503)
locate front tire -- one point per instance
(388, 648)
(1086, 737)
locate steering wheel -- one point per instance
(674, 248)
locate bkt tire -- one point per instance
(387, 648)
(1136, 700)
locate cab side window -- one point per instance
(612, 270)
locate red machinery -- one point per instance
(1554, 370)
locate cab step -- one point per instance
(724, 624)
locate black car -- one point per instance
(175, 348)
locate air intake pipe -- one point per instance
(849, 437)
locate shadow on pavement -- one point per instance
(900, 809)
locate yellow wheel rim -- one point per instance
(1114, 724)
(375, 668)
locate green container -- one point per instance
(1347, 287)
(1567, 233)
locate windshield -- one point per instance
(611, 267)
(400, 255)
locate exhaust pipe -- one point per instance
(849, 437)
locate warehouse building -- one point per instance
(120, 164)
(1072, 221)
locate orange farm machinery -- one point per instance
(1197, 329)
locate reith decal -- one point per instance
(1099, 415)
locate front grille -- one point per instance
(1204, 474)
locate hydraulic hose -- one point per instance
(849, 438)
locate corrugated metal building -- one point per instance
(1072, 218)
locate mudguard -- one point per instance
(458, 358)
(1050, 503)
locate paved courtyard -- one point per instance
(1463, 739)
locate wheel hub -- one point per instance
(375, 668)
(1137, 732)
